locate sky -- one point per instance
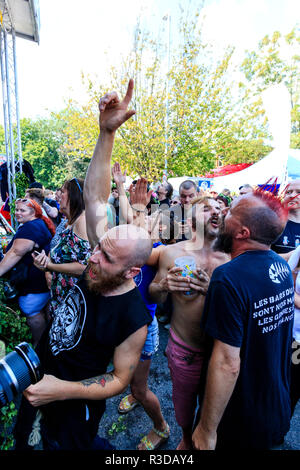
(90, 36)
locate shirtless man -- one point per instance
(185, 350)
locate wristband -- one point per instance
(139, 210)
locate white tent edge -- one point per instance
(274, 165)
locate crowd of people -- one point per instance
(105, 261)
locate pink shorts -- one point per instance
(185, 364)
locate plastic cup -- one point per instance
(188, 265)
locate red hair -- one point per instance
(273, 200)
(39, 214)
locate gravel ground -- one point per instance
(125, 431)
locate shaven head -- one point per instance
(117, 258)
(134, 243)
(265, 215)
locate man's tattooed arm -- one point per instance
(100, 380)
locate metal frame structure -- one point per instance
(10, 97)
(9, 29)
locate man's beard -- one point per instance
(103, 284)
(223, 242)
(209, 231)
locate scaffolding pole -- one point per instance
(11, 116)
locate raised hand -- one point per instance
(113, 112)
(118, 176)
(139, 196)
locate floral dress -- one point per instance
(69, 249)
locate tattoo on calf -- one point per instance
(100, 380)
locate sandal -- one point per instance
(164, 435)
(125, 406)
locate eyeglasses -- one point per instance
(174, 202)
(76, 181)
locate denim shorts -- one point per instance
(152, 341)
(32, 304)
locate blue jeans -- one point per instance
(152, 341)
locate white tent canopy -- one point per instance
(272, 166)
(176, 182)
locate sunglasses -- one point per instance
(22, 200)
(174, 202)
(29, 202)
(77, 182)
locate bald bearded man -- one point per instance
(103, 316)
(248, 315)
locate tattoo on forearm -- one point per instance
(100, 380)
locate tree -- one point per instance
(139, 144)
(212, 116)
(276, 60)
(41, 142)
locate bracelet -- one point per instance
(139, 210)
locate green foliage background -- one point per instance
(13, 330)
(215, 110)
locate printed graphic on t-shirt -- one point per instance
(68, 323)
(138, 278)
(285, 240)
(278, 272)
(273, 311)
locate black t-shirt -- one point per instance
(289, 239)
(86, 330)
(79, 344)
(250, 305)
(164, 204)
(38, 232)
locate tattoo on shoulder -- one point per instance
(100, 380)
